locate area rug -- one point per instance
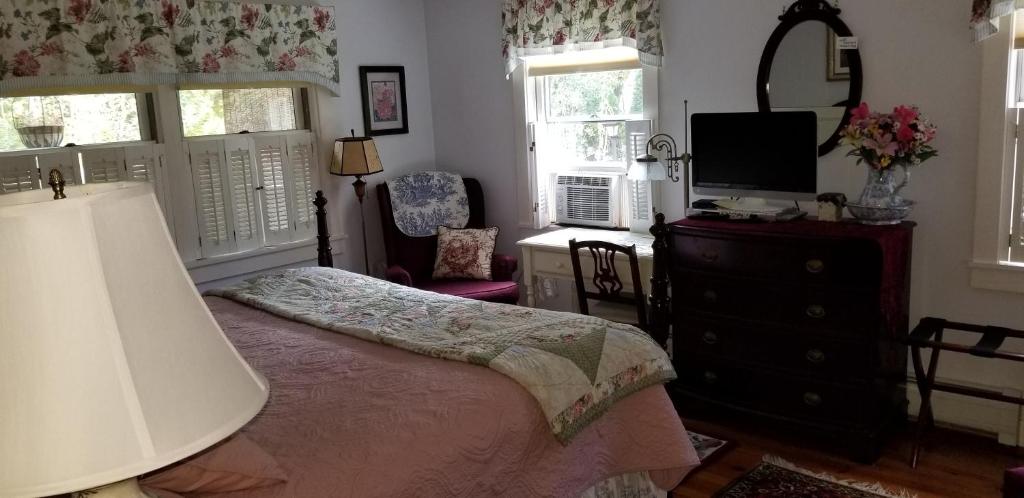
(707, 446)
(777, 478)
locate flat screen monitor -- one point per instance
(770, 155)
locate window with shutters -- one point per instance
(585, 114)
(253, 190)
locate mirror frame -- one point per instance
(800, 12)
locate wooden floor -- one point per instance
(953, 464)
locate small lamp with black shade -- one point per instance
(357, 156)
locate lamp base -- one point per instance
(128, 488)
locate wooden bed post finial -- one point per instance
(324, 256)
(660, 308)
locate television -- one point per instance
(767, 155)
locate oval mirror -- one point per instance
(804, 67)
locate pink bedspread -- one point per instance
(350, 418)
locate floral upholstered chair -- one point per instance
(411, 258)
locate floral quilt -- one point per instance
(426, 200)
(575, 366)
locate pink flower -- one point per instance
(143, 50)
(25, 64)
(228, 51)
(249, 16)
(906, 134)
(861, 112)
(560, 37)
(51, 48)
(905, 115)
(210, 64)
(609, 3)
(169, 12)
(541, 6)
(79, 9)
(883, 145)
(285, 63)
(321, 18)
(302, 51)
(125, 62)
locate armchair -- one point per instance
(411, 259)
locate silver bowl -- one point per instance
(870, 215)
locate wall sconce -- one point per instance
(662, 142)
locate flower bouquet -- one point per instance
(885, 141)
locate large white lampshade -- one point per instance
(110, 363)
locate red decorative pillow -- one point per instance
(464, 252)
(234, 465)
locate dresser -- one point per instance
(799, 325)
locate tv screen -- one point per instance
(755, 154)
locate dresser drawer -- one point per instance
(849, 312)
(762, 346)
(791, 396)
(823, 261)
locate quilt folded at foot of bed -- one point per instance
(575, 366)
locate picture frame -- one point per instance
(385, 109)
(837, 64)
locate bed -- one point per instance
(350, 417)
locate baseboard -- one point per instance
(1002, 420)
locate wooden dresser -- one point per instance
(800, 324)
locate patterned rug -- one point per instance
(707, 446)
(777, 478)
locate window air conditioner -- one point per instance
(588, 199)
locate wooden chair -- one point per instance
(606, 277)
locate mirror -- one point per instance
(804, 67)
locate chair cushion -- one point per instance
(464, 253)
(1013, 483)
(483, 290)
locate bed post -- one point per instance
(661, 312)
(324, 256)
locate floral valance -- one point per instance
(84, 43)
(538, 27)
(985, 16)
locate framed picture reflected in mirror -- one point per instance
(837, 64)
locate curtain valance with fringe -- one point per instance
(539, 27)
(89, 43)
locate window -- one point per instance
(224, 111)
(584, 122)
(253, 167)
(83, 119)
(999, 200)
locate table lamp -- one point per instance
(112, 365)
(357, 156)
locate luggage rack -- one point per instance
(928, 334)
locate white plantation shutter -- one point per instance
(301, 158)
(541, 190)
(209, 178)
(1017, 216)
(18, 174)
(141, 163)
(65, 160)
(272, 167)
(104, 165)
(243, 194)
(640, 196)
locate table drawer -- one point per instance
(823, 261)
(812, 307)
(758, 345)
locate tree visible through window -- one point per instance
(86, 119)
(227, 111)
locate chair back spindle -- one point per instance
(606, 281)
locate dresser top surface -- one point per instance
(846, 228)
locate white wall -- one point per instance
(914, 52)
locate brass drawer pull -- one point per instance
(710, 377)
(816, 356)
(710, 338)
(815, 266)
(709, 256)
(710, 296)
(812, 399)
(816, 311)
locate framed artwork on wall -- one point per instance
(837, 62)
(384, 104)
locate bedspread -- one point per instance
(575, 366)
(352, 418)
